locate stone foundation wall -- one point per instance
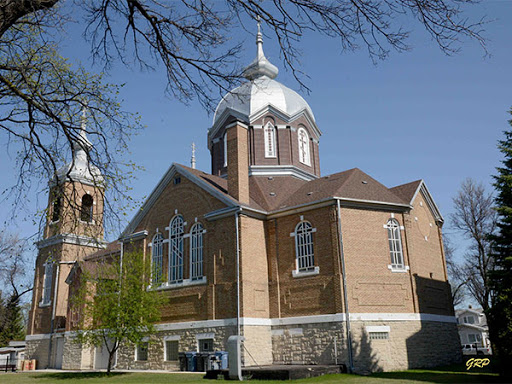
(309, 343)
(38, 350)
(188, 342)
(257, 347)
(410, 344)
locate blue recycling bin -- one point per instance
(222, 359)
(191, 361)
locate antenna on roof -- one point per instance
(193, 159)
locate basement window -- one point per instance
(379, 335)
(141, 351)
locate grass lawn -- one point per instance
(446, 375)
(449, 374)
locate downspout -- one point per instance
(52, 321)
(119, 299)
(345, 294)
(237, 215)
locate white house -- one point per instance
(472, 325)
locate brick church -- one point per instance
(310, 269)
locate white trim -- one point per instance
(301, 320)
(37, 337)
(295, 332)
(172, 338)
(134, 236)
(296, 273)
(181, 284)
(377, 328)
(70, 238)
(399, 270)
(281, 170)
(202, 336)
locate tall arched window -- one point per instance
(86, 208)
(395, 244)
(176, 249)
(47, 282)
(304, 247)
(225, 148)
(157, 259)
(57, 207)
(270, 140)
(304, 156)
(196, 252)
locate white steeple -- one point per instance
(79, 169)
(193, 159)
(260, 66)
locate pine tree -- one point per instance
(11, 322)
(500, 313)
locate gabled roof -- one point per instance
(409, 191)
(214, 185)
(352, 185)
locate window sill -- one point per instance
(92, 222)
(184, 283)
(43, 305)
(403, 269)
(296, 273)
(54, 222)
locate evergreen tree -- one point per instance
(500, 314)
(11, 321)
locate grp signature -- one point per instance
(477, 363)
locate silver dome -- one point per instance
(253, 96)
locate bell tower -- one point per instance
(73, 230)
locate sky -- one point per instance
(417, 115)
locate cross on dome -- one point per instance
(260, 66)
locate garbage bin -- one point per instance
(191, 361)
(221, 358)
(183, 361)
(204, 361)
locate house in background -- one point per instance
(309, 269)
(473, 328)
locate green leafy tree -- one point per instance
(113, 303)
(500, 314)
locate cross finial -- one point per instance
(193, 159)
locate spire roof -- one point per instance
(260, 66)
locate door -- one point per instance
(59, 351)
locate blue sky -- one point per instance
(417, 115)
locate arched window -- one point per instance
(395, 244)
(225, 145)
(86, 209)
(57, 206)
(196, 252)
(304, 247)
(304, 156)
(176, 229)
(47, 282)
(157, 259)
(270, 140)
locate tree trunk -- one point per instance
(13, 10)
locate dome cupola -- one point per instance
(275, 116)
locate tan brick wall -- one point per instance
(257, 347)
(238, 163)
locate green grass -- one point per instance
(449, 374)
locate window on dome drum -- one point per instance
(176, 249)
(304, 247)
(395, 244)
(270, 140)
(86, 209)
(196, 252)
(225, 148)
(304, 156)
(47, 282)
(157, 259)
(469, 320)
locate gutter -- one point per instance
(345, 294)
